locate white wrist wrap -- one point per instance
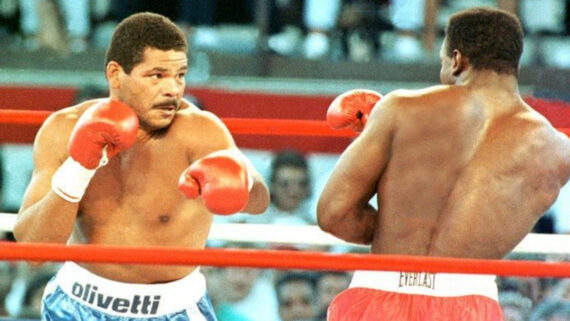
(71, 180)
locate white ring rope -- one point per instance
(312, 235)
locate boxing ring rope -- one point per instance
(251, 126)
(276, 259)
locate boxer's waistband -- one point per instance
(130, 299)
(435, 284)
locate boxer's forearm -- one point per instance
(50, 220)
(354, 225)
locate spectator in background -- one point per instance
(9, 20)
(567, 19)
(541, 19)
(528, 287)
(77, 23)
(547, 286)
(290, 189)
(168, 8)
(408, 18)
(284, 27)
(61, 25)
(237, 292)
(561, 291)
(329, 284)
(360, 26)
(32, 304)
(319, 17)
(316, 19)
(515, 306)
(551, 310)
(237, 284)
(186, 13)
(27, 280)
(296, 293)
(6, 277)
(242, 291)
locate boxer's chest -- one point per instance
(144, 173)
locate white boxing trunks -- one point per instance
(77, 294)
(417, 296)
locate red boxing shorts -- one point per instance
(417, 296)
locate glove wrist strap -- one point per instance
(71, 180)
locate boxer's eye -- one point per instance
(287, 303)
(286, 182)
(307, 301)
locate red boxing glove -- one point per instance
(101, 132)
(108, 123)
(351, 109)
(221, 179)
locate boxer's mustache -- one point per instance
(167, 103)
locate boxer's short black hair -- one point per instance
(140, 31)
(490, 38)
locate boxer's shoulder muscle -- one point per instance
(53, 135)
(201, 130)
(67, 116)
(425, 98)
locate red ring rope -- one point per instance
(256, 126)
(277, 259)
(280, 127)
(24, 117)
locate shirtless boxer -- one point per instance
(463, 169)
(141, 168)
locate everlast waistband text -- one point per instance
(421, 279)
(138, 304)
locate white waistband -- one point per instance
(130, 299)
(435, 284)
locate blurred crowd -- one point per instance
(357, 30)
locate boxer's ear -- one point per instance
(459, 63)
(112, 73)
